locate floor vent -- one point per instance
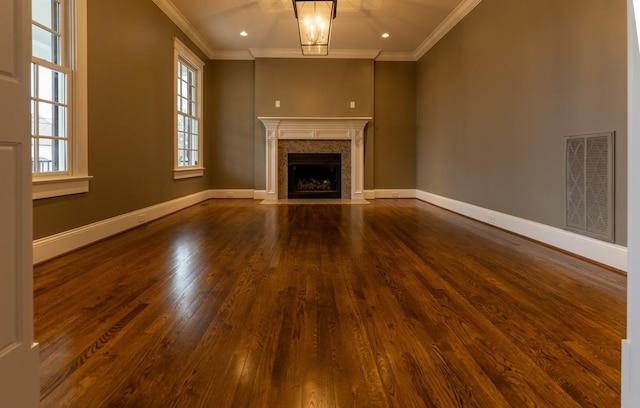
(589, 185)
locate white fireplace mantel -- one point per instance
(315, 128)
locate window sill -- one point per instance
(190, 172)
(59, 186)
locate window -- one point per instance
(49, 90)
(58, 98)
(188, 113)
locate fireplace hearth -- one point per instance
(314, 175)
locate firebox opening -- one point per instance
(314, 175)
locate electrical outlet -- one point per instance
(142, 218)
(395, 194)
(491, 219)
(277, 104)
(229, 194)
(352, 104)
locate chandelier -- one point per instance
(314, 25)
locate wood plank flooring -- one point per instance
(393, 304)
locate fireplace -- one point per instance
(314, 175)
(284, 135)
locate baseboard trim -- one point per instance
(231, 193)
(58, 244)
(395, 193)
(629, 385)
(605, 253)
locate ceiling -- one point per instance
(414, 27)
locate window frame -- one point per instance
(188, 57)
(76, 178)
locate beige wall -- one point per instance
(499, 93)
(383, 90)
(313, 87)
(395, 125)
(230, 118)
(130, 63)
(494, 100)
(131, 116)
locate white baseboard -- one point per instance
(58, 244)
(395, 193)
(260, 195)
(629, 389)
(231, 193)
(599, 251)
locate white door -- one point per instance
(18, 354)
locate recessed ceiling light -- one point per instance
(385, 35)
(244, 33)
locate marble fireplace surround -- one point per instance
(319, 129)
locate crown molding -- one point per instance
(167, 6)
(275, 52)
(231, 55)
(297, 53)
(454, 18)
(181, 21)
(396, 56)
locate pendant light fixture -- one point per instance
(314, 25)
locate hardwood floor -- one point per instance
(393, 304)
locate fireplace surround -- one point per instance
(327, 134)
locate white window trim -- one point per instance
(182, 51)
(77, 179)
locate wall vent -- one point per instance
(589, 185)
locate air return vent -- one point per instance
(589, 184)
